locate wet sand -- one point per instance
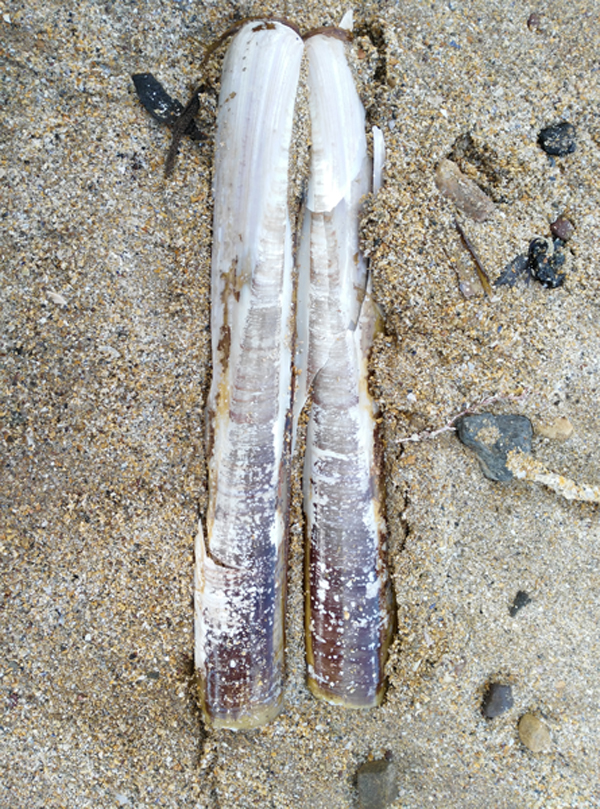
(105, 369)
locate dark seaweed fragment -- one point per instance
(513, 271)
(544, 268)
(558, 139)
(160, 105)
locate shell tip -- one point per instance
(347, 21)
(378, 158)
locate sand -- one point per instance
(105, 367)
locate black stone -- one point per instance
(505, 434)
(546, 268)
(521, 600)
(513, 271)
(377, 784)
(496, 700)
(558, 139)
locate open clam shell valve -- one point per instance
(349, 604)
(240, 573)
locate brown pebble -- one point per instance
(559, 429)
(562, 228)
(464, 193)
(534, 21)
(534, 734)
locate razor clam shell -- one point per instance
(338, 124)
(339, 177)
(241, 550)
(328, 303)
(349, 606)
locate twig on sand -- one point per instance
(483, 278)
(449, 426)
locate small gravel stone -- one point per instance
(492, 437)
(558, 139)
(562, 228)
(464, 192)
(496, 700)
(377, 785)
(534, 21)
(522, 599)
(559, 429)
(547, 269)
(534, 734)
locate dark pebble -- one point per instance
(377, 785)
(496, 700)
(562, 228)
(153, 675)
(558, 139)
(492, 437)
(547, 269)
(513, 271)
(521, 600)
(534, 21)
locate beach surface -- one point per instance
(105, 367)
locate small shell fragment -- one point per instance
(464, 193)
(57, 298)
(559, 429)
(562, 228)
